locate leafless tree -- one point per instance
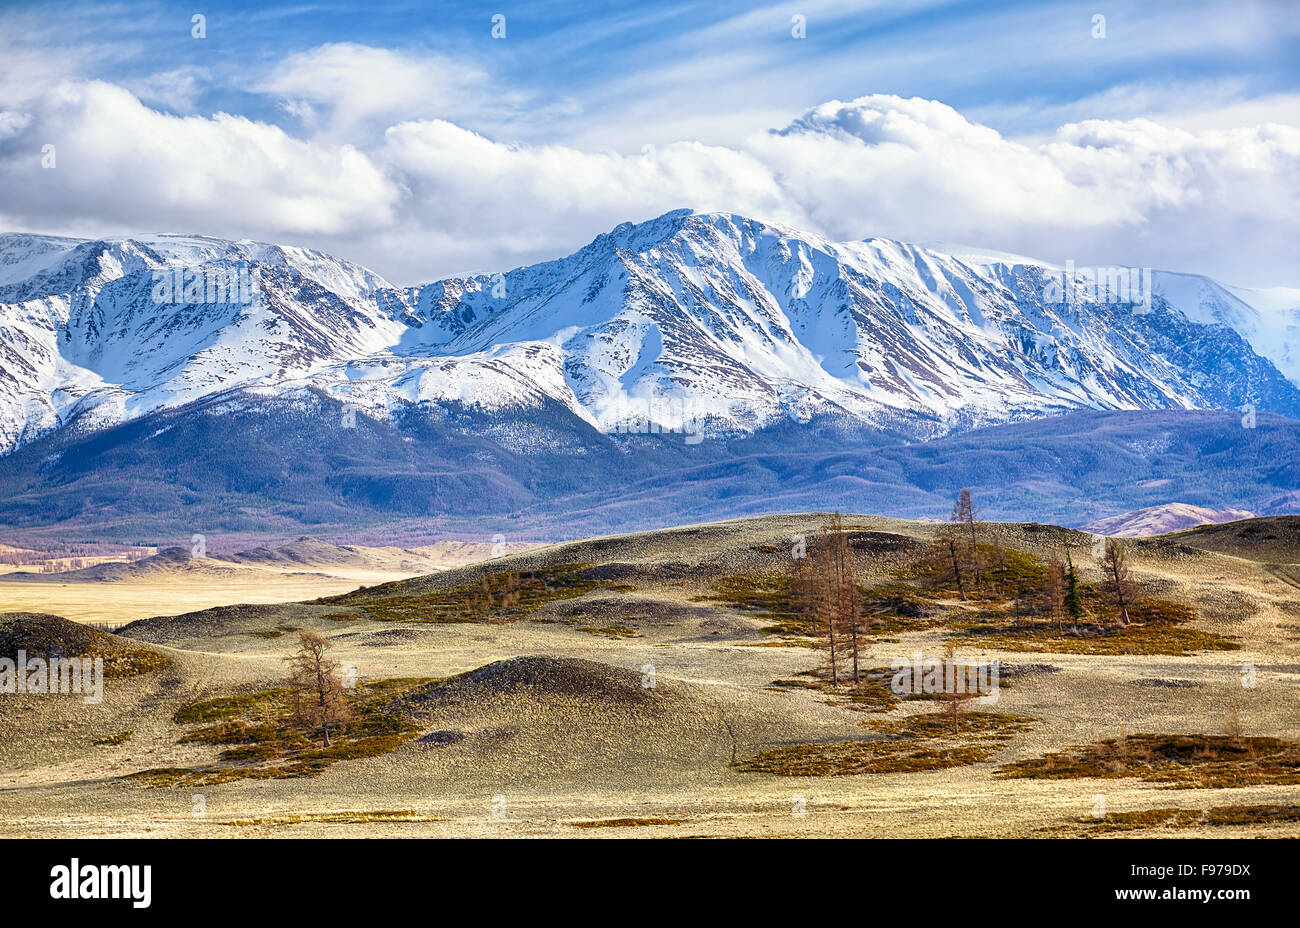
(951, 698)
(825, 600)
(1232, 727)
(844, 586)
(315, 691)
(1119, 580)
(1054, 591)
(731, 733)
(963, 513)
(824, 585)
(950, 544)
(999, 556)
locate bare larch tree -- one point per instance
(1119, 579)
(824, 585)
(949, 692)
(1054, 591)
(844, 586)
(950, 545)
(315, 690)
(963, 513)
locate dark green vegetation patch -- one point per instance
(908, 745)
(624, 822)
(46, 636)
(1174, 761)
(1003, 610)
(260, 740)
(1218, 816)
(506, 596)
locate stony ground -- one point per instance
(552, 726)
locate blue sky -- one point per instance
(1016, 66)
(584, 88)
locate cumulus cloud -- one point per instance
(119, 163)
(360, 86)
(490, 205)
(1135, 192)
(917, 169)
(427, 197)
(12, 123)
(175, 89)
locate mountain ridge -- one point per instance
(708, 323)
(1164, 519)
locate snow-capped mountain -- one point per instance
(707, 322)
(90, 331)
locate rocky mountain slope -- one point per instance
(702, 323)
(692, 366)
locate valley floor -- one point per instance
(636, 706)
(196, 584)
(119, 603)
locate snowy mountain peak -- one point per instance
(703, 321)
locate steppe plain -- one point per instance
(641, 695)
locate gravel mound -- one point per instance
(41, 635)
(563, 677)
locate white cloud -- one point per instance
(121, 164)
(12, 123)
(428, 197)
(175, 90)
(489, 205)
(1131, 192)
(26, 74)
(1221, 103)
(363, 87)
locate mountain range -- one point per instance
(156, 382)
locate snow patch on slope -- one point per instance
(736, 323)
